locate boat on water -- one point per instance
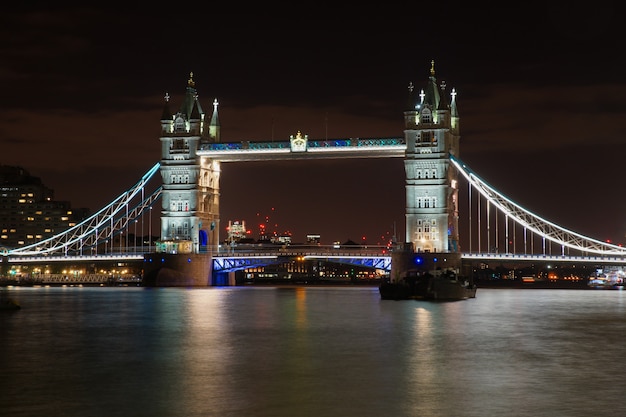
(604, 284)
(445, 285)
(606, 281)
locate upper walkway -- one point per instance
(305, 148)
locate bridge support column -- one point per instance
(177, 270)
(404, 258)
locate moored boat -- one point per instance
(604, 284)
(433, 285)
(606, 281)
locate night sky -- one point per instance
(541, 93)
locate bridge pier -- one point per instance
(404, 258)
(177, 270)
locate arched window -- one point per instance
(179, 124)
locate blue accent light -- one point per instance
(434, 259)
(188, 260)
(418, 260)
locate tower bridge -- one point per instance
(188, 251)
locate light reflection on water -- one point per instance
(311, 351)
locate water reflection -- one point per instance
(310, 351)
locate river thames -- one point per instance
(311, 351)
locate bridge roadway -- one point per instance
(246, 256)
(225, 252)
(374, 256)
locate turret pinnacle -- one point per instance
(167, 114)
(214, 126)
(190, 81)
(191, 100)
(443, 102)
(431, 91)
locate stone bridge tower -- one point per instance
(432, 135)
(190, 196)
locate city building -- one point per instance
(28, 211)
(236, 231)
(313, 239)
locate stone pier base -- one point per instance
(177, 270)
(404, 259)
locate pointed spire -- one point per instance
(167, 114)
(411, 104)
(190, 81)
(214, 126)
(191, 99)
(443, 102)
(195, 111)
(432, 90)
(453, 109)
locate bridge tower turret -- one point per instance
(190, 195)
(432, 135)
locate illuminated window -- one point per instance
(179, 124)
